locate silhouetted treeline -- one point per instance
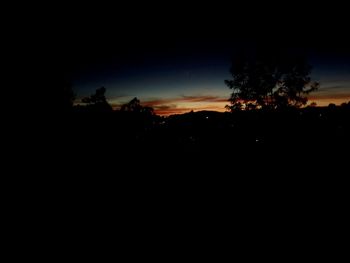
(135, 131)
(242, 131)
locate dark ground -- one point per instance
(294, 136)
(258, 169)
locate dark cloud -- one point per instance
(164, 107)
(204, 99)
(175, 105)
(184, 98)
(332, 88)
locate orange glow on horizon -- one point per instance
(185, 104)
(186, 110)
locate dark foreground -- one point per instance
(253, 172)
(203, 132)
(310, 136)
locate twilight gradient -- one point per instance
(196, 81)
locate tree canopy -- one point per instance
(135, 106)
(269, 80)
(98, 101)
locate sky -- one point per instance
(169, 84)
(175, 56)
(176, 59)
(190, 76)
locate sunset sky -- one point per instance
(175, 57)
(182, 78)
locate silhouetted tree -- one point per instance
(295, 83)
(345, 105)
(147, 110)
(135, 106)
(98, 101)
(313, 104)
(236, 105)
(332, 106)
(266, 80)
(98, 97)
(254, 79)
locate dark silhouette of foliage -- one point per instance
(295, 83)
(98, 97)
(345, 105)
(269, 80)
(332, 106)
(98, 101)
(135, 106)
(132, 106)
(313, 104)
